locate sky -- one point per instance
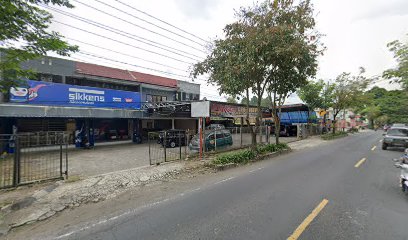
(355, 34)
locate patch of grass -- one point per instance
(72, 179)
(331, 136)
(244, 156)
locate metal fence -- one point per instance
(166, 146)
(31, 157)
(174, 145)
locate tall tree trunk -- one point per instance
(277, 125)
(259, 117)
(253, 133)
(334, 123)
(324, 122)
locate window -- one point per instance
(155, 98)
(398, 132)
(220, 135)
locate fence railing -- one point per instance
(25, 159)
(166, 146)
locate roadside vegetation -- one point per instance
(331, 136)
(244, 156)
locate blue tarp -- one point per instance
(289, 118)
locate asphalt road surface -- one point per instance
(326, 192)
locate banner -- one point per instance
(57, 94)
(230, 110)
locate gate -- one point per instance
(32, 157)
(166, 146)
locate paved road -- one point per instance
(274, 199)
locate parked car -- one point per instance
(112, 135)
(386, 127)
(212, 139)
(399, 125)
(395, 137)
(172, 138)
(285, 131)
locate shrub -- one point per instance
(331, 136)
(245, 156)
(271, 148)
(353, 130)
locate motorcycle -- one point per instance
(402, 163)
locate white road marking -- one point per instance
(224, 180)
(111, 218)
(130, 212)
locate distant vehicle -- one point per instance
(215, 126)
(285, 130)
(395, 137)
(113, 135)
(172, 138)
(399, 125)
(212, 139)
(386, 127)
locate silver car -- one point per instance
(395, 137)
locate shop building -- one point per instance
(96, 102)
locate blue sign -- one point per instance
(57, 94)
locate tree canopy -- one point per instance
(24, 35)
(271, 48)
(399, 73)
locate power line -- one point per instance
(138, 66)
(123, 33)
(118, 41)
(148, 22)
(125, 54)
(134, 65)
(128, 55)
(146, 29)
(162, 21)
(100, 25)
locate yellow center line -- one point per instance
(373, 148)
(359, 162)
(299, 230)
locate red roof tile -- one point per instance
(115, 73)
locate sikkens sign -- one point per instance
(57, 94)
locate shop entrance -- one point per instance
(111, 129)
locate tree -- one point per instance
(400, 73)
(267, 50)
(231, 99)
(380, 106)
(24, 23)
(317, 94)
(346, 91)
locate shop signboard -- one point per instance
(57, 94)
(226, 110)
